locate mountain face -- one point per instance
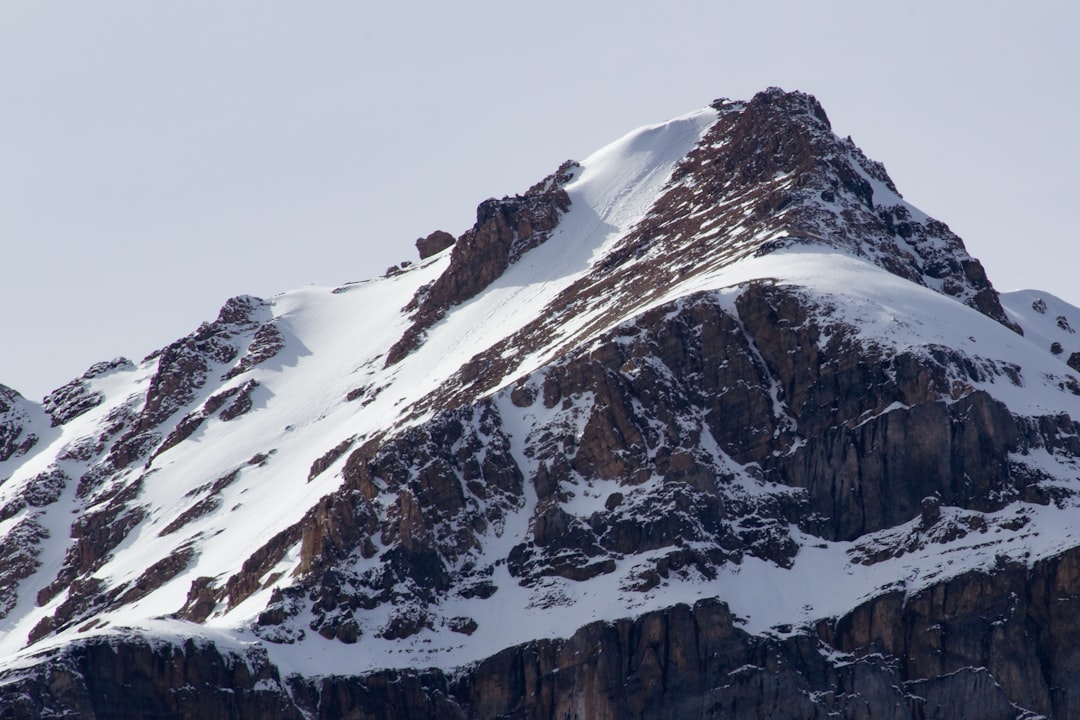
(712, 424)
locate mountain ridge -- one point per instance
(719, 369)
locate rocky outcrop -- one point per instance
(76, 397)
(453, 482)
(505, 230)
(879, 431)
(266, 344)
(209, 500)
(235, 400)
(330, 457)
(777, 153)
(20, 548)
(183, 366)
(95, 535)
(434, 243)
(15, 436)
(135, 430)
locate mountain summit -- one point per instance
(710, 424)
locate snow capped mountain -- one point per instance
(716, 389)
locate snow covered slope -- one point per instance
(1048, 321)
(720, 359)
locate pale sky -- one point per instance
(157, 158)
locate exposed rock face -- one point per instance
(184, 365)
(453, 480)
(236, 401)
(779, 153)
(684, 662)
(135, 679)
(434, 243)
(110, 489)
(267, 343)
(76, 398)
(1020, 624)
(21, 549)
(866, 467)
(94, 534)
(505, 229)
(15, 438)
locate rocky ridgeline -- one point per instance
(776, 161)
(119, 455)
(15, 437)
(76, 397)
(768, 174)
(699, 435)
(505, 229)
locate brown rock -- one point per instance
(201, 600)
(434, 243)
(504, 230)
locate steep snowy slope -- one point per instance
(327, 344)
(720, 363)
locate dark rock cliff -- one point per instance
(683, 662)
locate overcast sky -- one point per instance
(157, 158)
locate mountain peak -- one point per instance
(777, 100)
(770, 173)
(747, 179)
(760, 175)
